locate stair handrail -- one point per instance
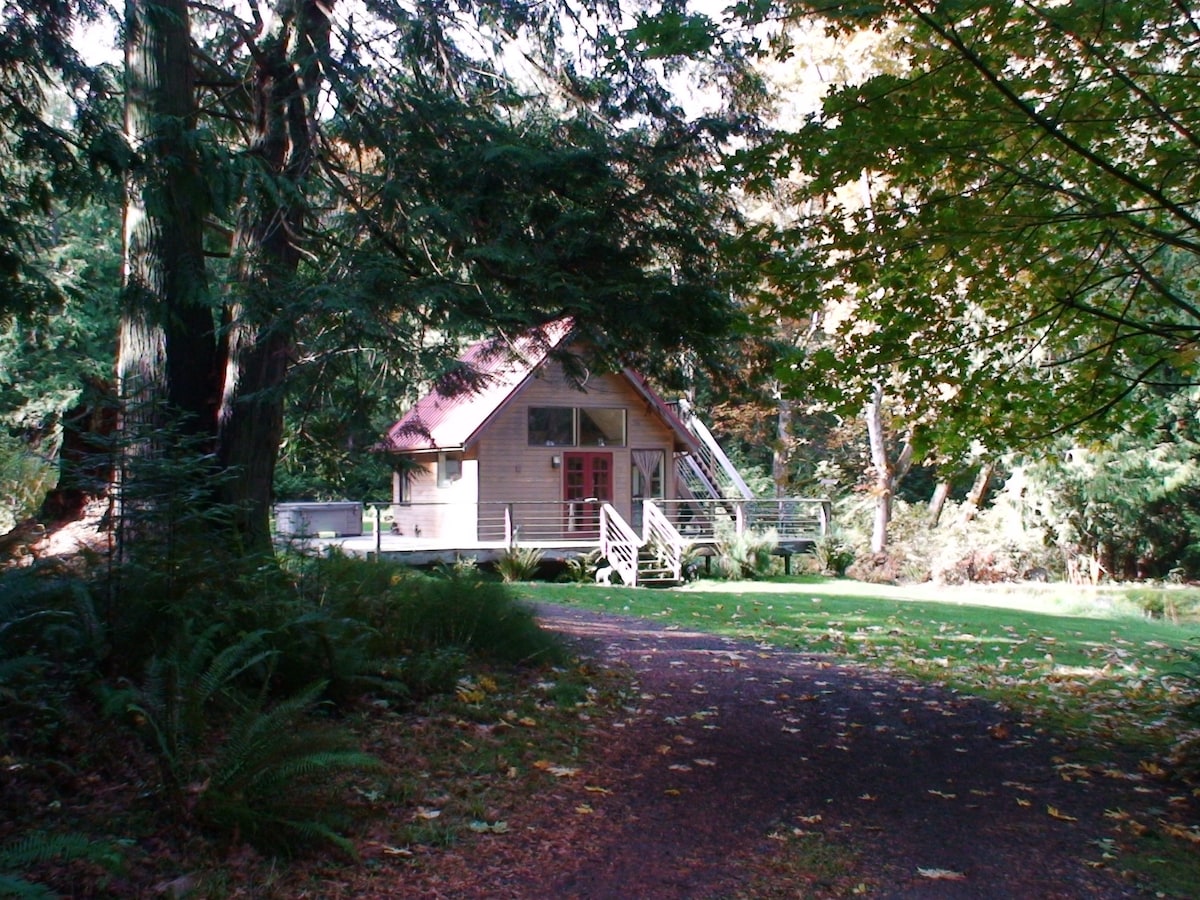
(657, 529)
(713, 456)
(619, 544)
(694, 478)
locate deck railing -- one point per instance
(794, 520)
(498, 522)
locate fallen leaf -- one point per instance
(941, 874)
(584, 809)
(1188, 834)
(481, 827)
(596, 789)
(1055, 813)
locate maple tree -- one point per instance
(1029, 254)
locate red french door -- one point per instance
(587, 483)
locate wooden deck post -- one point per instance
(378, 531)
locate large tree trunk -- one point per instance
(881, 485)
(166, 361)
(167, 352)
(267, 257)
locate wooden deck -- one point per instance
(430, 551)
(489, 530)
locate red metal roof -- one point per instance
(450, 418)
(450, 415)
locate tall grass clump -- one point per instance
(519, 563)
(745, 555)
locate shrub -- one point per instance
(582, 569)
(400, 613)
(25, 477)
(478, 616)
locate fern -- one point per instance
(274, 780)
(14, 886)
(40, 848)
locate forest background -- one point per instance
(929, 254)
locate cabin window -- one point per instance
(449, 469)
(566, 426)
(601, 427)
(552, 426)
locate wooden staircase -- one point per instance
(653, 558)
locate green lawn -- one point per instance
(1076, 660)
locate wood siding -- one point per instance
(510, 470)
(431, 511)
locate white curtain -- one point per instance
(648, 462)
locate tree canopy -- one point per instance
(305, 184)
(1006, 211)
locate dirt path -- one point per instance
(733, 747)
